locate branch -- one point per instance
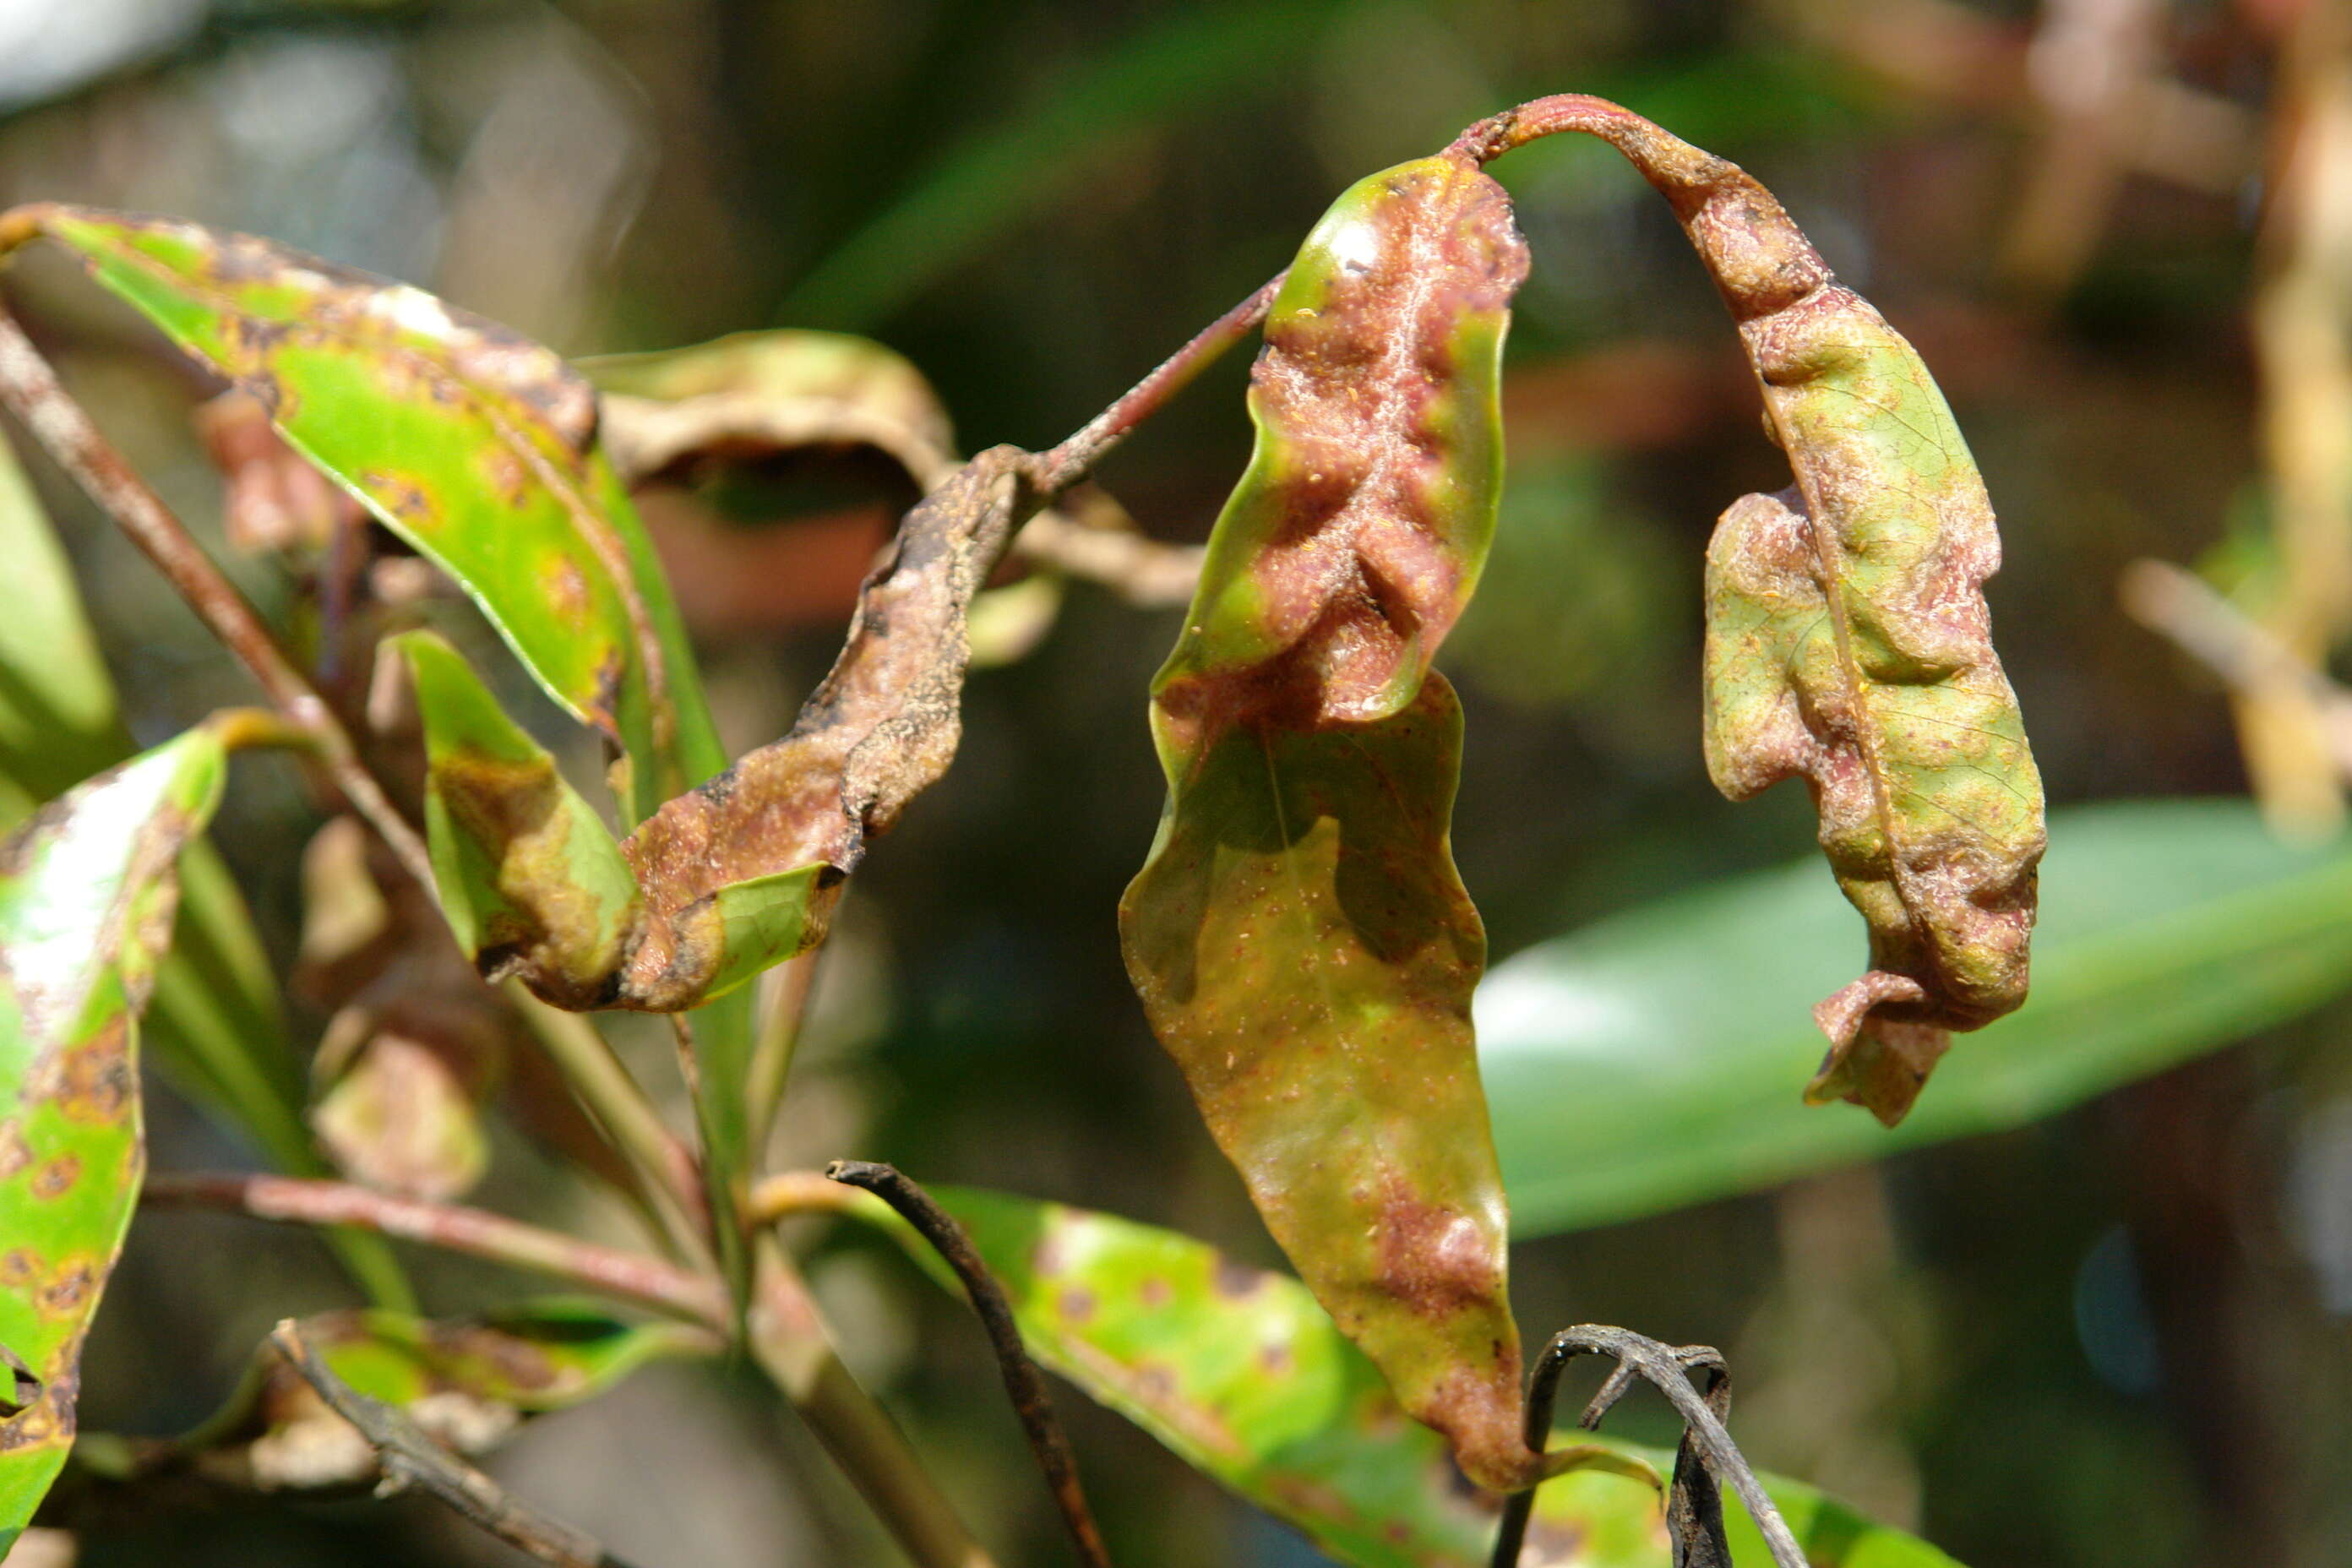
(1053, 471)
(1144, 571)
(477, 1232)
(1023, 1382)
(664, 1167)
(788, 1340)
(1707, 1456)
(30, 390)
(407, 1456)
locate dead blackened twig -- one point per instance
(1706, 1457)
(407, 1457)
(1023, 1381)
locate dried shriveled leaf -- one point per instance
(472, 443)
(753, 393)
(86, 890)
(1300, 937)
(468, 1382)
(1848, 642)
(776, 833)
(1242, 1376)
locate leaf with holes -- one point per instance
(87, 888)
(474, 445)
(1300, 937)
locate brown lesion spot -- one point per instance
(1236, 1281)
(70, 1290)
(1076, 1304)
(56, 1178)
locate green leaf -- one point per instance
(528, 873)
(467, 1380)
(1300, 937)
(214, 1025)
(86, 895)
(1242, 1376)
(474, 445)
(1648, 1061)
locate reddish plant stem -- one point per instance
(1057, 468)
(30, 390)
(475, 1232)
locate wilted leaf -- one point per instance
(1623, 1086)
(757, 393)
(534, 885)
(727, 866)
(529, 875)
(1244, 1377)
(1300, 937)
(1848, 642)
(468, 1382)
(86, 897)
(474, 445)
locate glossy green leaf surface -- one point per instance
(1242, 1376)
(472, 443)
(467, 1380)
(1300, 937)
(86, 897)
(1643, 1063)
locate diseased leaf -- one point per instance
(756, 393)
(86, 899)
(529, 875)
(1848, 642)
(1242, 1376)
(725, 865)
(1300, 937)
(472, 443)
(468, 1382)
(532, 881)
(214, 1024)
(1622, 1089)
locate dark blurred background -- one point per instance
(2117, 1338)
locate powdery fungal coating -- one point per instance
(1301, 940)
(1848, 642)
